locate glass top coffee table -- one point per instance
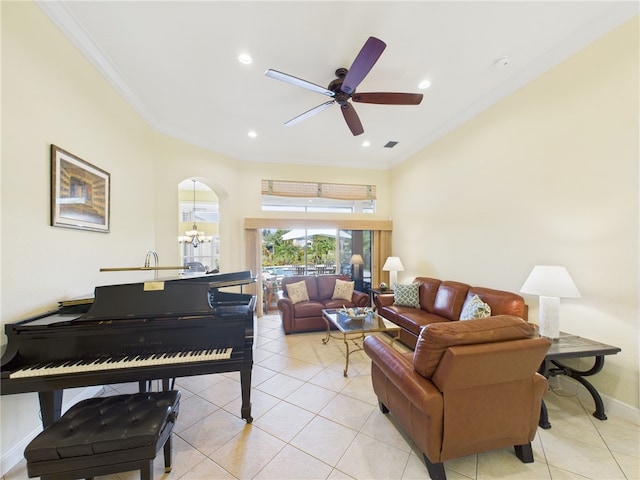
(354, 329)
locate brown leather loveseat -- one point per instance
(306, 315)
(469, 387)
(444, 301)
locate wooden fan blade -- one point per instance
(352, 119)
(388, 98)
(365, 60)
(298, 82)
(310, 113)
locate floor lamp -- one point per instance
(550, 282)
(356, 261)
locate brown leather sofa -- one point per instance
(307, 315)
(443, 301)
(469, 387)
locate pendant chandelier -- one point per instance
(194, 236)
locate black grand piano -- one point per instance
(136, 332)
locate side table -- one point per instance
(573, 346)
(377, 291)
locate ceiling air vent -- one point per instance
(390, 144)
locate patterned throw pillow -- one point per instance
(475, 308)
(406, 295)
(343, 290)
(298, 292)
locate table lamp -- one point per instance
(550, 282)
(393, 265)
(356, 261)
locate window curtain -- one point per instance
(339, 191)
(381, 250)
(253, 260)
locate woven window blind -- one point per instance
(339, 191)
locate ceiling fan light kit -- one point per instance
(343, 88)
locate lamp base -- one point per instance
(550, 317)
(393, 278)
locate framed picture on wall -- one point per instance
(80, 193)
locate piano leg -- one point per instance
(146, 385)
(245, 382)
(168, 383)
(50, 406)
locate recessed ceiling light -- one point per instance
(424, 84)
(252, 134)
(366, 143)
(502, 62)
(245, 58)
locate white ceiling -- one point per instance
(176, 63)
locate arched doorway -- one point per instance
(198, 226)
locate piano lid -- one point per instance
(160, 298)
(220, 280)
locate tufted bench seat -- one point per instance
(104, 435)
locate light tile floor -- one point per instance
(310, 422)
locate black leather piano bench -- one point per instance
(106, 435)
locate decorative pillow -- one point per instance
(475, 308)
(298, 292)
(343, 290)
(406, 295)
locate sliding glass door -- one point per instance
(317, 251)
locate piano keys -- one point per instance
(160, 329)
(116, 362)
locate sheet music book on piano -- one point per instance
(164, 299)
(177, 323)
(84, 300)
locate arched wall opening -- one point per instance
(198, 226)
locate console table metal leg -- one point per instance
(579, 375)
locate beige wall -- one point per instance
(51, 94)
(238, 186)
(547, 176)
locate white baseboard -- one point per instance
(15, 454)
(611, 405)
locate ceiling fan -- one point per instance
(343, 88)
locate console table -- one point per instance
(374, 292)
(573, 346)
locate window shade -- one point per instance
(340, 191)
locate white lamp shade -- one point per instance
(550, 281)
(393, 264)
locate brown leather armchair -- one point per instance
(470, 386)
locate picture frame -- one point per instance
(80, 193)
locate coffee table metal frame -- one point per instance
(353, 330)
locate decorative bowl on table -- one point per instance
(355, 314)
